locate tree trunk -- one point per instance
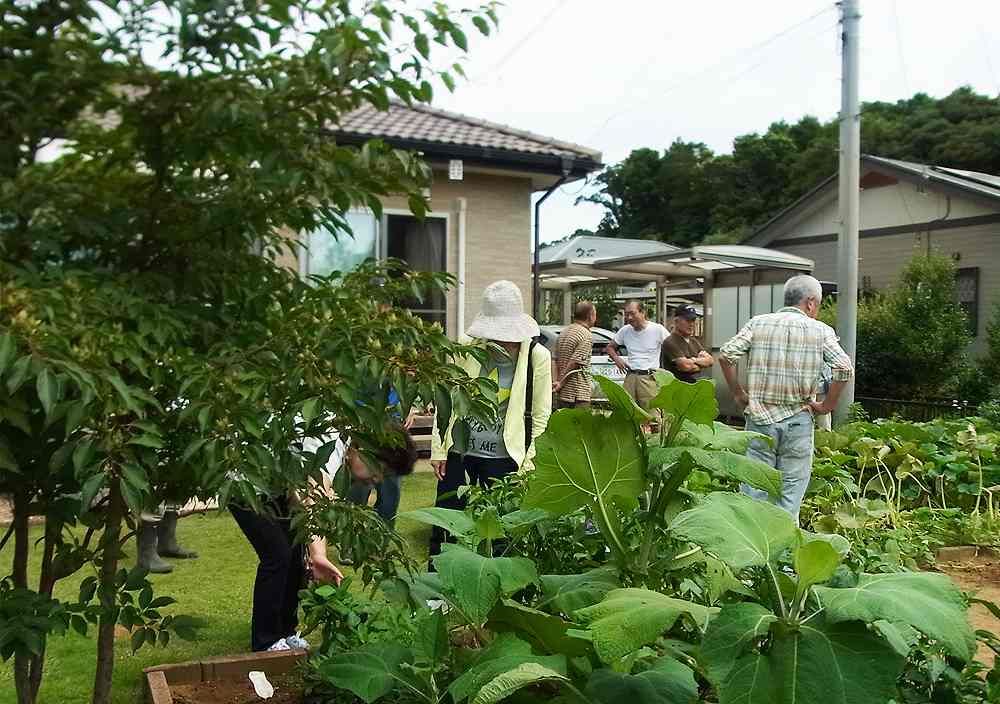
(46, 582)
(107, 591)
(22, 661)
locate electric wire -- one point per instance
(700, 74)
(492, 72)
(899, 48)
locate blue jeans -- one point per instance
(791, 454)
(386, 497)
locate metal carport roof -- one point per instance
(668, 263)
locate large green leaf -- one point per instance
(547, 633)
(431, 639)
(371, 672)
(718, 436)
(723, 464)
(567, 593)
(927, 601)
(504, 654)
(838, 542)
(819, 663)
(524, 675)
(590, 460)
(666, 682)
(47, 388)
(815, 562)
(695, 402)
(8, 349)
(741, 531)
(455, 522)
(475, 583)
(628, 619)
(730, 634)
(523, 518)
(621, 403)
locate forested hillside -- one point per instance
(687, 194)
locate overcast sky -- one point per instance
(616, 76)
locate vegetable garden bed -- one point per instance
(224, 680)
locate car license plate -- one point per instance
(607, 370)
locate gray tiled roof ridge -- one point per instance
(540, 140)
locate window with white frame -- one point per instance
(420, 243)
(325, 251)
(967, 291)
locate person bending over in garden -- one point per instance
(388, 491)
(522, 369)
(788, 351)
(282, 569)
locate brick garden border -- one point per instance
(160, 678)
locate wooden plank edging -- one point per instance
(160, 678)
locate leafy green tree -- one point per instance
(150, 345)
(655, 196)
(912, 337)
(687, 193)
(990, 363)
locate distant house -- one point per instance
(905, 208)
(484, 175)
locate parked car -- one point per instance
(600, 362)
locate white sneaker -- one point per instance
(297, 642)
(279, 645)
(438, 605)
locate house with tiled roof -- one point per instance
(479, 226)
(906, 208)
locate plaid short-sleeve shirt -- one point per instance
(788, 353)
(575, 345)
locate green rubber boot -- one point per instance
(146, 555)
(167, 538)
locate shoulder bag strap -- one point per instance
(528, 393)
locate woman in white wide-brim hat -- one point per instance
(521, 368)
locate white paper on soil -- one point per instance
(263, 688)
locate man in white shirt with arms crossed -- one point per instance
(643, 339)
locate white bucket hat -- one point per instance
(502, 317)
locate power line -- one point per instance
(757, 47)
(986, 55)
(520, 43)
(899, 48)
(765, 59)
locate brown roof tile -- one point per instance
(424, 124)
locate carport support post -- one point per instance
(661, 302)
(536, 272)
(567, 311)
(849, 198)
(706, 312)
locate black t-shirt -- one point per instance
(675, 347)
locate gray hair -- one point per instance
(583, 310)
(801, 287)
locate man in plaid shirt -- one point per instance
(788, 352)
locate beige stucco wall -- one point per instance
(882, 258)
(888, 206)
(498, 234)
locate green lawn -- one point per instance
(216, 588)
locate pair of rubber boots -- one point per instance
(156, 540)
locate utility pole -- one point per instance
(849, 198)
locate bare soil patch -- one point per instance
(287, 690)
(980, 577)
